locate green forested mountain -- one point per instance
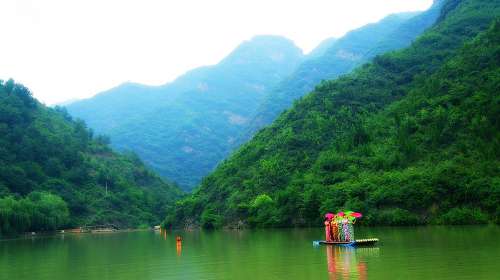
(333, 58)
(54, 173)
(184, 128)
(411, 138)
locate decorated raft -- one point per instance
(358, 242)
(339, 230)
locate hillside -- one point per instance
(411, 138)
(184, 128)
(334, 58)
(54, 173)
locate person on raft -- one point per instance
(339, 227)
(334, 229)
(328, 233)
(329, 221)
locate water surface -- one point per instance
(403, 253)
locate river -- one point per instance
(468, 252)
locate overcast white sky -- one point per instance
(66, 49)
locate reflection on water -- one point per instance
(348, 262)
(179, 246)
(441, 253)
(178, 241)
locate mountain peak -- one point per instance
(268, 39)
(261, 48)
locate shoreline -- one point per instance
(28, 235)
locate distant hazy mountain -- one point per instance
(184, 128)
(335, 57)
(321, 48)
(65, 103)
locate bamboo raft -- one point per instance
(357, 242)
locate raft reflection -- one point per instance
(348, 262)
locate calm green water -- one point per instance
(403, 253)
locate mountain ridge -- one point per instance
(406, 139)
(195, 116)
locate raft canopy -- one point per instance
(349, 215)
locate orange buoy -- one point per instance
(179, 245)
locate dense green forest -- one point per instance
(333, 58)
(55, 173)
(412, 138)
(184, 128)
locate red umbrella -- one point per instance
(329, 216)
(356, 215)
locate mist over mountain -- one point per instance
(184, 128)
(320, 49)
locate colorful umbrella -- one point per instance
(356, 215)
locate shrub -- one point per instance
(464, 216)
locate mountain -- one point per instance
(335, 57)
(321, 49)
(184, 128)
(65, 103)
(54, 173)
(411, 138)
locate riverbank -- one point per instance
(69, 232)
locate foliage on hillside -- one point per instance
(184, 128)
(37, 211)
(411, 138)
(54, 172)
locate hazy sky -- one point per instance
(65, 49)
